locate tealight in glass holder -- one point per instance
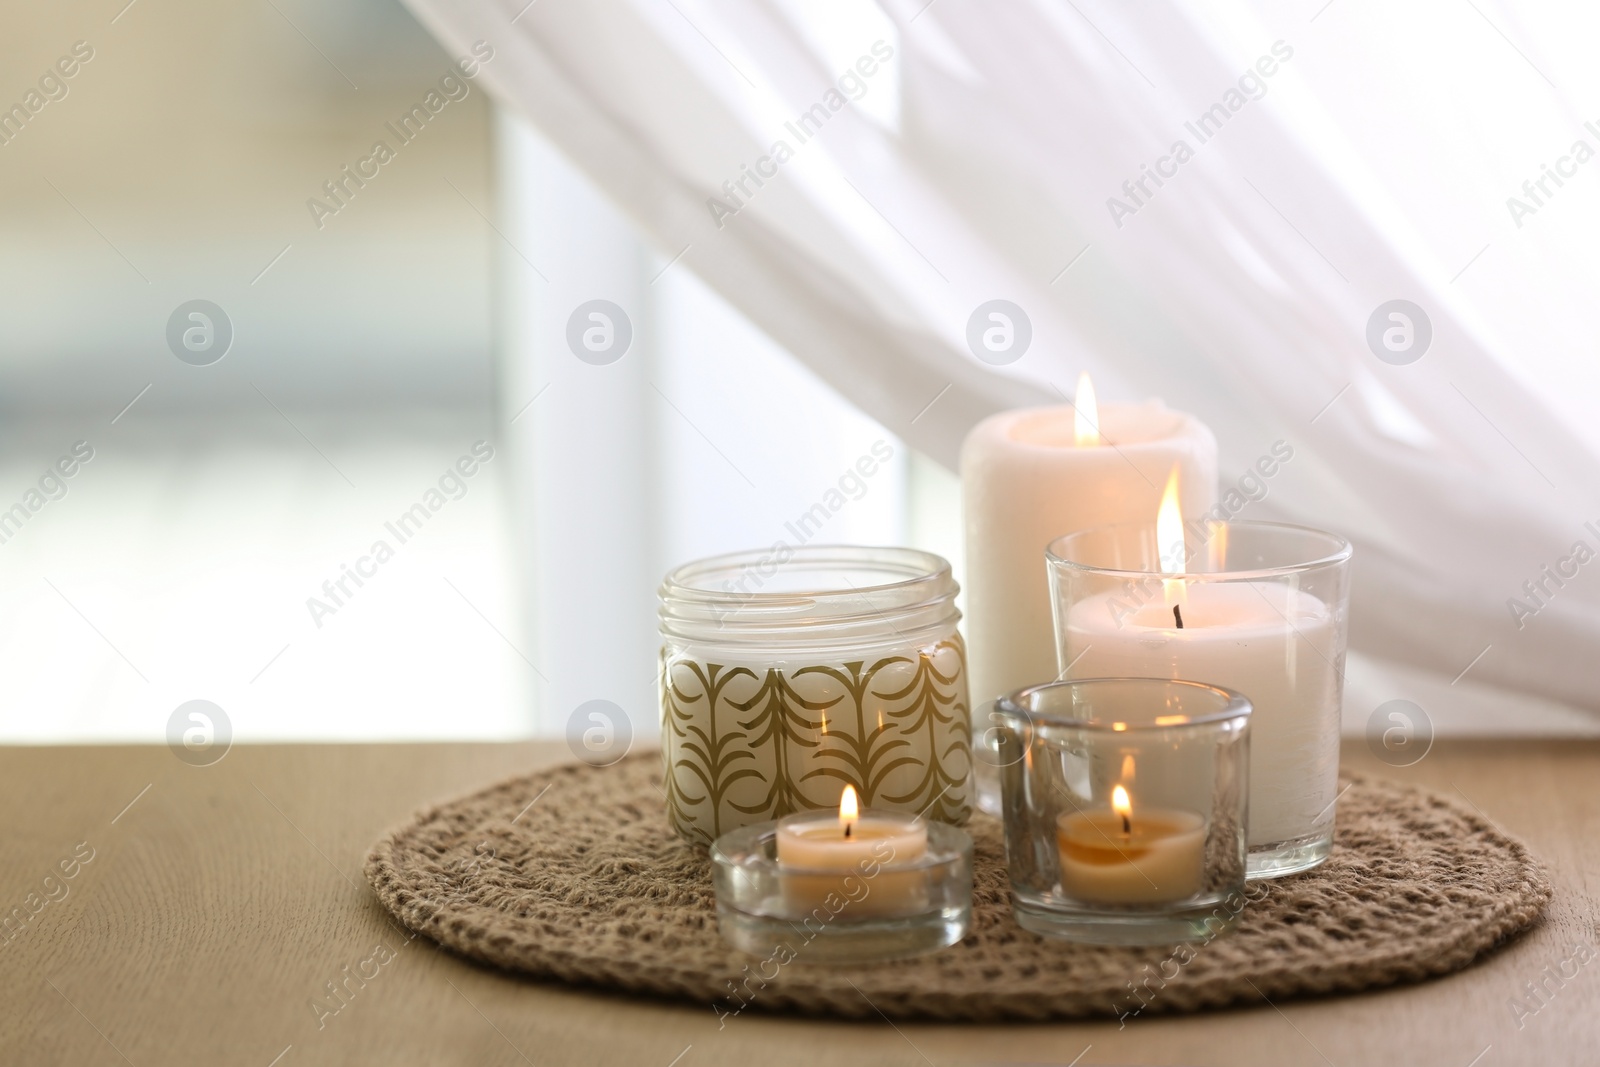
(1124, 802)
(845, 887)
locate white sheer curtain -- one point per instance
(1338, 156)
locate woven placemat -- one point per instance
(573, 873)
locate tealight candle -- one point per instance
(1113, 857)
(864, 848)
(1125, 804)
(851, 887)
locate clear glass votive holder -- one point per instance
(901, 887)
(1260, 608)
(1124, 802)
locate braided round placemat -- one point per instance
(573, 873)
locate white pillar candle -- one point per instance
(1032, 475)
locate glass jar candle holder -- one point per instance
(1260, 608)
(788, 673)
(1124, 802)
(798, 889)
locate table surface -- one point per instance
(209, 907)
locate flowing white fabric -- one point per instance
(914, 165)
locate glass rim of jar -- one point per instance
(920, 595)
(1015, 705)
(1340, 551)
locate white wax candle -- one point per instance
(1026, 481)
(864, 849)
(1272, 643)
(1158, 861)
(820, 844)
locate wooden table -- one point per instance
(220, 900)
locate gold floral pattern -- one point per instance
(744, 744)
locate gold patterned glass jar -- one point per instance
(790, 673)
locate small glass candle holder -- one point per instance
(826, 887)
(1124, 802)
(1258, 607)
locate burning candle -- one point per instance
(848, 887)
(1033, 474)
(1099, 853)
(851, 858)
(1259, 630)
(1119, 857)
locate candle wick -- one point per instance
(1127, 826)
(847, 828)
(1177, 613)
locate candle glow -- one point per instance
(1123, 806)
(849, 810)
(1085, 414)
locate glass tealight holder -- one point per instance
(1258, 607)
(799, 890)
(1124, 802)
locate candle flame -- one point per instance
(1170, 541)
(1123, 807)
(849, 809)
(1085, 414)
